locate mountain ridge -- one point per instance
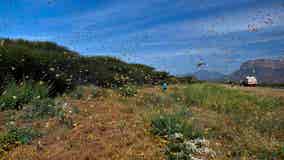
(207, 75)
(267, 71)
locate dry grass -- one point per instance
(105, 129)
(117, 127)
(243, 125)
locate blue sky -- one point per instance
(171, 35)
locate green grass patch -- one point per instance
(222, 99)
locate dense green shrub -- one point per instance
(265, 154)
(40, 108)
(15, 136)
(6, 140)
(178, 151)
(165, 124)
(181, 148)
(75, 109)
(10, 97)
(128, 90)
(65, 118)
(64, 69)
(97, 92)
(182, 139)
(15, 95)
(77, 93)
(23, 135)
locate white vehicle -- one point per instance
(250, 81)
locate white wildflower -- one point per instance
(191, 146)
(65, 105)
(47, 125)
(201, 142)
(193, 158)
(177, 136)
(5, 92)
(207, 151)
(68, 80)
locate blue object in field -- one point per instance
(164, 86)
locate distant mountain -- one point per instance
(265, 70)
(206, 75)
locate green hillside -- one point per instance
(63, 68)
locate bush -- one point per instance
(15, 96)
(265, 154)
(65, 118)
(128, 90)
(166, 125)
(95, 92)
(23, 135)
(10, 97)
(75, 109)
(77, 93)
(182, 139)
(179, 148)
(16, 136)
(178, 151)
(40, 109)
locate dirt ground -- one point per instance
(104, 130)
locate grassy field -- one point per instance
(187, 122)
